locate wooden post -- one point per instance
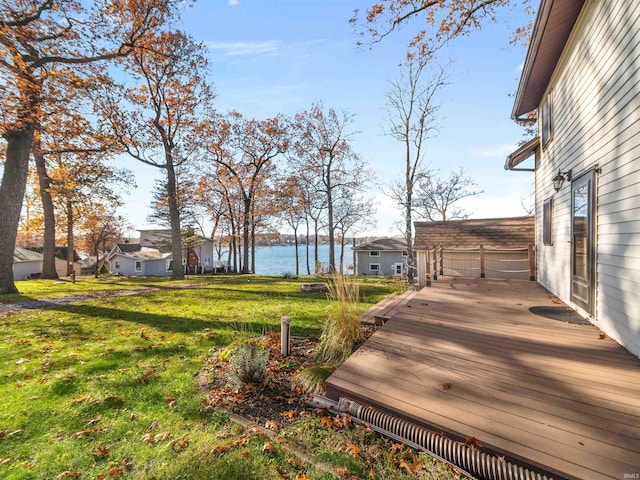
(428, 270)
(481, 261)
(441, 260)
(435, 262)
(532, 264)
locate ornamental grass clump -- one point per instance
(247, 365)
(342, 332)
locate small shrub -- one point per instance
(290, 275)
(104, 270)
(248, 365)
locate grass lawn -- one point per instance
(108, 388)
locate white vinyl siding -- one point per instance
(596, 122)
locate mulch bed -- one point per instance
(279, 400)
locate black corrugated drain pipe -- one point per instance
(470, 461)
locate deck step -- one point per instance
(382, 311)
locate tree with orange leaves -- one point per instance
(245, 149)
(41, 40)
(159, 120)
(438, 21)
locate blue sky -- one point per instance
(279, 56)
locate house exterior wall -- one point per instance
(595, 94)
(157, 268)
(123, 265)
(61, 267)
(386, 260)
(22, 270)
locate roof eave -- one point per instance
(521, 154)
(551, 30)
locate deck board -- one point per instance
(550, 393)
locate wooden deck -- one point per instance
(507, 363)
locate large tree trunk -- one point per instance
(49, 235)
(246, 219)
(295, 234)
(69, 237)
(174, 219)
(12, 188)
(332, 241)
(307, 247)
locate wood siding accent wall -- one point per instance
(512, 232)
(596, 122)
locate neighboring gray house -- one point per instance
(581, 78)
(386, 256)
(26, 264)
(134, 260)
(152, 255)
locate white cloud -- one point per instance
(233, 3)
(242, 48)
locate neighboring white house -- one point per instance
(386, 256)
(582, 76)
(152, 255)
(26, 264)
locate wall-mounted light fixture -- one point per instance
(559, 179)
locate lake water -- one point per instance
(282, 259)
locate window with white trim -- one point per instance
(169, 265)
(374, 267)
(374, 253)
(138, 266)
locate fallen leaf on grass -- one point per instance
(180, 443)
(294, 462)
(92, 421)
(397, 447)
(219, 450)
(22, 360)
(144, 336)
(5, 460)
(171, 401)
(326, 421)
(115, 471)
(342, 471)
(100, 452)
(151, 438)
(342, 422)
(268, 447)
(353, 450)
(86, 433)
(412, 467)
(372, 475)
(69, 474)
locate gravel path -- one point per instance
(48, 302)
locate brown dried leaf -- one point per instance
(268, 447)
(353, 450)
(445, 386)
(272, 426)
(473, 442)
